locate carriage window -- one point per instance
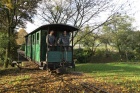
(37, 38)
(33, 39)
(26, 41)
(29, 40)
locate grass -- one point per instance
(122, 74)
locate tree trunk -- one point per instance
(7, 54)
(120, 52)
(106, 48)
(126, 55)
(6, 61)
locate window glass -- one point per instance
(37, 36)
(33, 39)
(28, 40)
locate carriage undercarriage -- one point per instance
(57, 67)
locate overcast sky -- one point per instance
(134, 11)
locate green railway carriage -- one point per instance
(36, 47)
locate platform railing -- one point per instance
(59, 48)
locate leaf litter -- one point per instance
(43, 81)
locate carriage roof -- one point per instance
(57, 27)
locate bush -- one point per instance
(82, 55)
(22, 47)
(104, 56)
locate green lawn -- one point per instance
(123, 74)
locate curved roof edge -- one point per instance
(61, 27)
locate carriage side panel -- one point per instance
(33, 47)
(43, 45)
(54, 56)
(37, 46)
(68, 56)
(28, 46)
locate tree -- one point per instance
(119, 32)
(79, 13)
(14, 13)
(3, 43)
(90, 41)
(20, 36)
(136, 44)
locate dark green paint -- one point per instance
(37, 46)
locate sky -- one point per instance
(134, 12)
(137, 14)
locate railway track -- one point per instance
(93, 88)
(85, 87)
(77, 86)
(47, 82)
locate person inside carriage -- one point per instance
(51, 40)
(64, 41)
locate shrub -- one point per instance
(82, 55)
(22, 47)
(104, 56)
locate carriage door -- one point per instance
(37, 56)
(33, 47)
(28, 46)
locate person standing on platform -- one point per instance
(50, 40)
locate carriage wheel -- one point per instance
(61, 70)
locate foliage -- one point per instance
(120, 34)
(3, 40)
(99, 56)
(14, 47)
(90, 41)
(78, 13)
(22, 47)
(103, 56)
(20, 37)
(3, 44)
(82, 55)
(17, 12)
(14, 13)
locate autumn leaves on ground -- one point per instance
(83, 80)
